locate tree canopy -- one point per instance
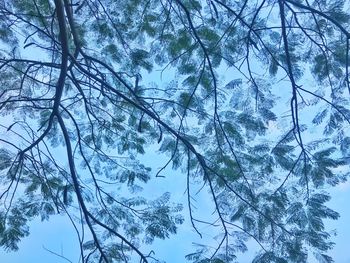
(254, 112)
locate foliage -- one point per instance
(257, 112)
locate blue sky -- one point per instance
(340, 202)
(58, 235)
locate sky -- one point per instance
(58, 235)
(340, 202)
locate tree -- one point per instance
(256, 114)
